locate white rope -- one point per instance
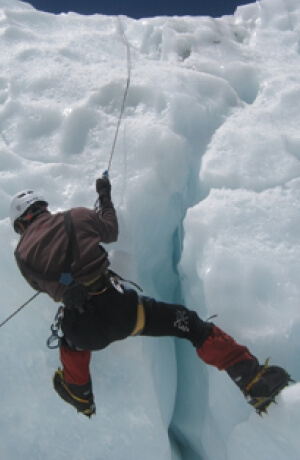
(125, 92)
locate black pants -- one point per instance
(166, 319)
(112, 316)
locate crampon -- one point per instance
(79, 396)
(262, 390)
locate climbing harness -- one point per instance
(19, 309)
(54, 341)
(57, 334)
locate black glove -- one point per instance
(76, 297)
(103, 187)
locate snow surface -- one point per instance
(205, 179)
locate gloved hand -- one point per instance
(103, 187)
(76, 297)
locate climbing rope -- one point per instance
(124, 96)
(19, 309)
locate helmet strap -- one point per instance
(23, 222)
(20, 227)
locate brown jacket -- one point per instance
(44, 243)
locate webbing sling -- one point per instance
(65, 277)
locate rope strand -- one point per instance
(19, 309)
(125, 92)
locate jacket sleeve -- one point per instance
(108, 221)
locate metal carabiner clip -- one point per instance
(57, 333)
(115, 282)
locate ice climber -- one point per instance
(62, 255)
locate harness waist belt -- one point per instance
(98, 284)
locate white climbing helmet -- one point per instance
(21, 202)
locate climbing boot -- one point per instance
(80, 396)
(259, 384)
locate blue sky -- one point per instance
(143, 8)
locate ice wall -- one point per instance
(205, 179)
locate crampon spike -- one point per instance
(256, 399)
